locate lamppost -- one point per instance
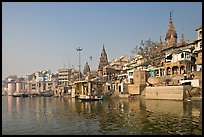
(79, 49)
(91, 58)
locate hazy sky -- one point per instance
(40, 36)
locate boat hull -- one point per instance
(20, 95)
(88, 98)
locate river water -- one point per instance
(69, 116)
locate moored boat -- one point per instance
(24, 95)
(20, 95)
(16, 95)
(90, 98)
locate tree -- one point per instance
(150, 51)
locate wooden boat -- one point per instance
(20, 95)
(90, 98)
(24, 95)
(16, 95)
(46, 93)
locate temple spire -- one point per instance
(86, 69)
(171, 16)
(160, 41)
(103, 62)
(182, 39)
(171, 35)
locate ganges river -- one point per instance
(69, 116)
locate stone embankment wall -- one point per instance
(165, 92)
(173, 92)
(198, 75)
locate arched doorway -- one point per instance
(168, 71)
(182, 70)
(175, 70)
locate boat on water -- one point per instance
(90, 98)
(16, 95)
(46, 93)
(20, 95)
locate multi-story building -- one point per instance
(43, 80)
(179, 62)
(178, 56)
(63, 77)
(198, 49)
(118, 64)
(54, 82)
(136, 62)
(30, 83)
(39, 81)
(11, 86)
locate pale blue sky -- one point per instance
(39, 36)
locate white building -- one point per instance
(11, 86)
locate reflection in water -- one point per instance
(18, 105)
(10, 105)
(47, 115)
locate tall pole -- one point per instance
(79, 49)
(90, 62)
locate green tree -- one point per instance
(150, 51)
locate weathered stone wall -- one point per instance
(140, 79)
(155, 80)
(136, 89)
(133, 89)
(165, 92)
(198, 75)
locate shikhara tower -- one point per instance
(171, 35)
(103, 62)
(86, 69)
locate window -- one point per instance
(108, 87)
(182, 55)
(200, 33)
(131, 81)
(156, 72)
(130, 73)
(33, 88)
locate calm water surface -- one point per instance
(62, 116)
